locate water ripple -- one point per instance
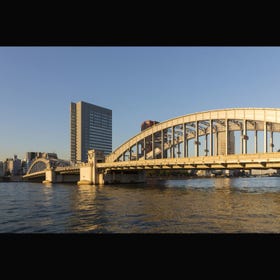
(216, 205)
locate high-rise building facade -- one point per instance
(91, 128)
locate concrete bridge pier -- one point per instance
(53, 177)
(50, 177)
(86, 175)
(89, 174)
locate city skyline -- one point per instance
(37, 85)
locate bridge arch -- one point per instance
(39, 164)
(172, 138)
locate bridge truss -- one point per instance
(205, 134)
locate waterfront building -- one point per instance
(13, 166)
(91, 128)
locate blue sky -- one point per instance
(37, 85)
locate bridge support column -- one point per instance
(50, 177)
(216, 143)
(187, 146)
(265, 137)
(162, 143)
(137, 150)
(256, 141)
(226, 137)
(196, 143)
(144, 148)
(89, 173)
(244, 137)
(206, 145)
(271, 141)
(172, 151)
(184, 140)
(241, 142)
(153, 145)
(86, 175)
(211, 138)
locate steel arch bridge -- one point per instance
(200, 137)
(40, 165)
(203, 140)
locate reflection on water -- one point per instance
(214, 205)
(84, 209)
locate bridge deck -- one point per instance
(34, 174)
(240, 161)
(68, 170)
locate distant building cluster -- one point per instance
(12, 167)
(91, 128)
(17, 167)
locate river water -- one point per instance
(214, 205)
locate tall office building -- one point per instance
(91, 128)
